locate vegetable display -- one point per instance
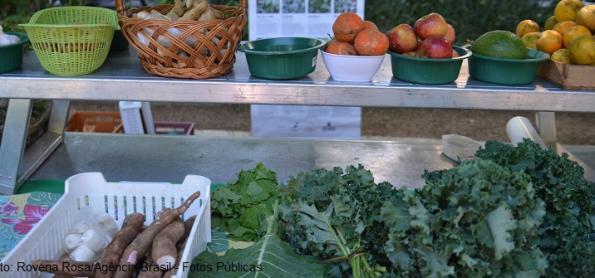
(511, 212)
(242, 207)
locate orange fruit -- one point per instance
(530, 39)
(549, 23)
(562, 56)
(582, 51)
(346, 27)
(526, 26)
(340, 48)
(574, 33)
(567, 10)
(371, 43)
(586, 17)
(370, 25)
(550, 41)
(561, 27)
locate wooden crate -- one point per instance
(573, 77)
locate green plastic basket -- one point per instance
(71, 41)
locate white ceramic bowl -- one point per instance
(352, 68)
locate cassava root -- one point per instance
(133, 223)
(140, 246)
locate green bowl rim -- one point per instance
(443, 60)
(526, 60)
(243, 48)
(22, 36)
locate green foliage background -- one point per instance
(470, 18)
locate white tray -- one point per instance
(44, 241)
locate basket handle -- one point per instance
(121, 9)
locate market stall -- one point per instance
(328, 218)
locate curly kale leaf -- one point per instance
(475, 220)
(241, 208)
(569, 203)
(327, 213)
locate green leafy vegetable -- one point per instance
(476, 220)
(241, 208)
(328, 213)
(569, 204)
(269, 257)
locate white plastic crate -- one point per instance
(44, 241)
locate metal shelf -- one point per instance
(122, 78)
(159, 158)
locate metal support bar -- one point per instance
(13, 143)
(546, 124)
(43, 147)
(59, 116)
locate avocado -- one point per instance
(500, 44)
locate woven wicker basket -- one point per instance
(185, 48)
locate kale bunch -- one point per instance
(569, 203)
(476, 220)
(241, 208)
(333, 214)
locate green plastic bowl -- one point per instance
(11, 56)
(506, 71)
(427, 70)
(282, 58)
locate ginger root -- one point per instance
(195, 9)
(177, 11)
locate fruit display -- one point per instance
(572, 21)
(502, 57)
(354, 36)
(357, 50)
(430, 37)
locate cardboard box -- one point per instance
(106, 122)
(572, 77)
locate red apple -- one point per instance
(435, 47)
(402, 38)
(450, 36)
(455, 54)
(431, 25)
